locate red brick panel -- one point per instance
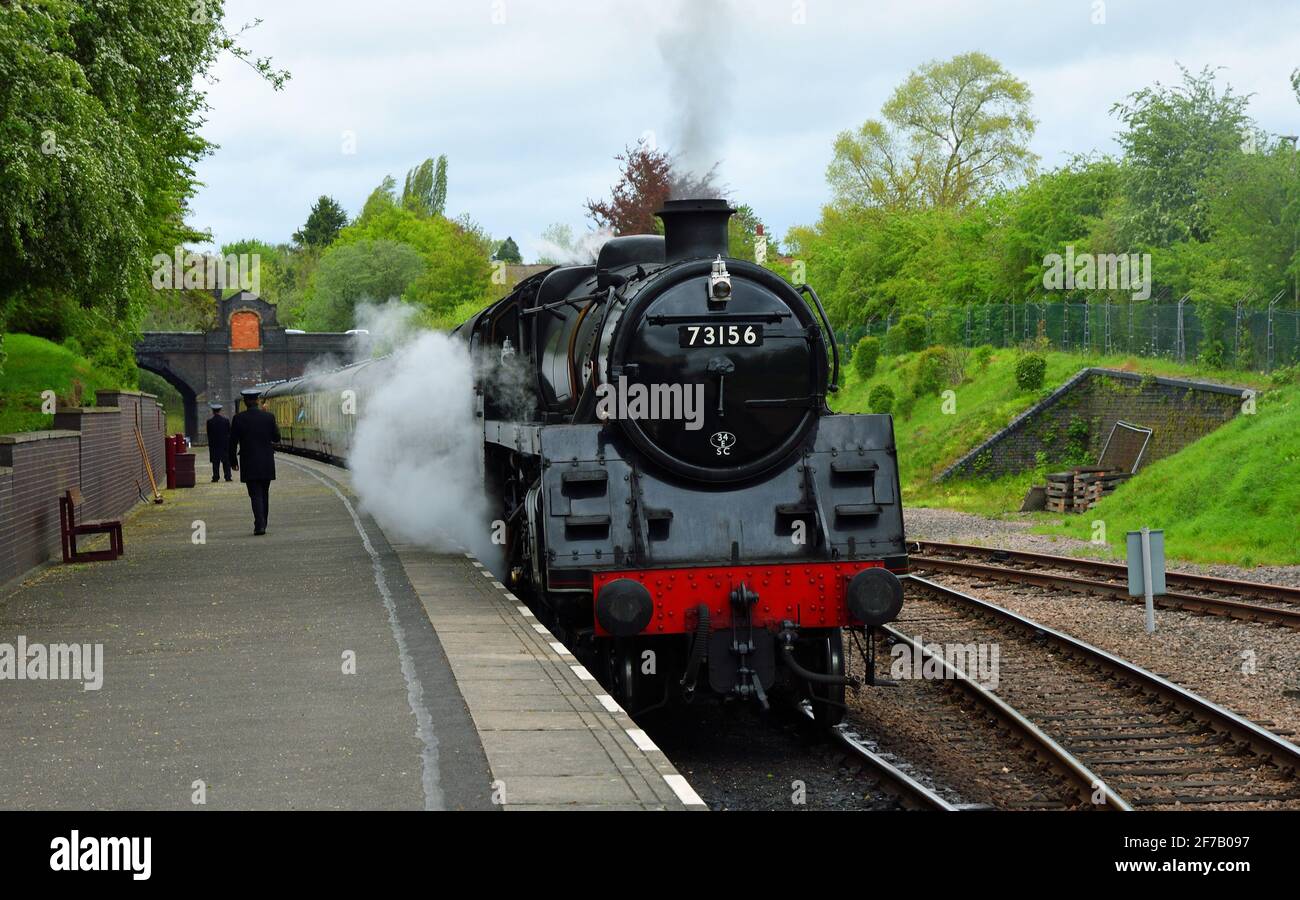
(245, 331)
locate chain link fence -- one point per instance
(1222, 336)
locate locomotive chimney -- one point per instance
(695, 228)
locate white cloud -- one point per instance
(531, 112)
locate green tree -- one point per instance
(455, 254)
(425, 190)
(508, 251)
(100, 112)
(1174, 138)
(438, 196)
(952, 132)
(364, 270)
(326, 219)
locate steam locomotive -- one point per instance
(679, 498)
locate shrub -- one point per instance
(1211, 355)
(865, 356)
(908, 334)
(983, 355)
(904, 404)
(1031, 369)
(881, 399)
(932, 372)
(1286, 375)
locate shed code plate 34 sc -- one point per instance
(720, 335)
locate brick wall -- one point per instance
(44, 464)
(100, 429)
(1071, 424)
(8, 524)
(93, 448)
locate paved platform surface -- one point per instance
(226, 674)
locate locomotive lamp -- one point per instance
(719, 284)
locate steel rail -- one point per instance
(1236, 609)
(910, 790)
(1213, 583)
(1088, 782)
(1284, 754)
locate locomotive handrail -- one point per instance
(830, 334)
(772, 318)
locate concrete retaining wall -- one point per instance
(1071, 424)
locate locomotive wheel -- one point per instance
(827, 655)
(621, 666)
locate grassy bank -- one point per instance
(930, 439)
(1232, 497)
(35, 365)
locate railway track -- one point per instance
(1129, 738)
(911, 792)
(1270, 603)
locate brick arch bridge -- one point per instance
(247, 347)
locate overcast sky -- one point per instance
(531, 99)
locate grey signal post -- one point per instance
(1146, 569)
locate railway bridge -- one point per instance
(248, 346)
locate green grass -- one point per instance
(35, 365)
(929, 440)
(1231, 497)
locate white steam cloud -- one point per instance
(582, 252)
(696, 51)
(414, 457)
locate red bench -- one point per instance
(69, 503)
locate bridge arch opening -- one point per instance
(188, 394)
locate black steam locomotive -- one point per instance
(676, 493)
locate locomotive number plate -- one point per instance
(734, 335)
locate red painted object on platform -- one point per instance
(174, 445)
(812, 595)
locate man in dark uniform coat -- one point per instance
(218, 439)
(252, 434)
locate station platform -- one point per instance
(319, 666)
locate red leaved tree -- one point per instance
(649, 177)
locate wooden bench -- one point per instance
(69, 503)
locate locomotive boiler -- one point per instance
(687, 511)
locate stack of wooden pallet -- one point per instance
(1095, 485)
(1081, 488)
